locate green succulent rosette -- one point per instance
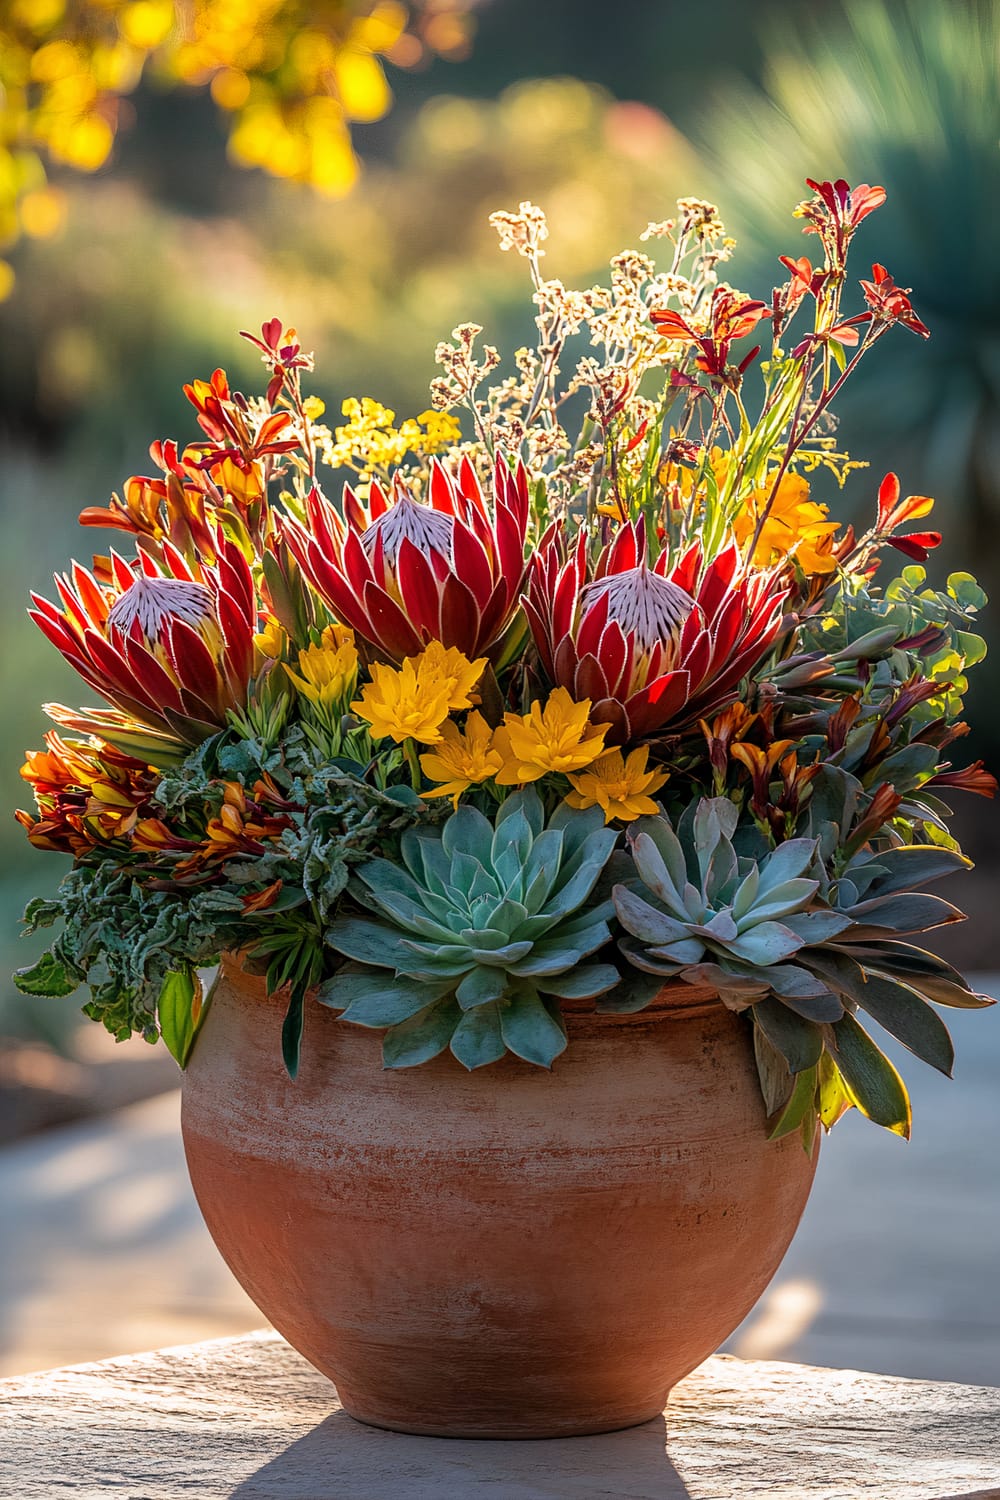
(479, 933)
(774, 936)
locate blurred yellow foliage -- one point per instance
(293, 75)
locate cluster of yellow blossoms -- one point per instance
(370, 441)
(412, 705)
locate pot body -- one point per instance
(507, 1253)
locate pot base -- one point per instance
(524, 1430)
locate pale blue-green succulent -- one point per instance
(478, 935)
(801, 952)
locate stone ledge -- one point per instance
(248, 1419)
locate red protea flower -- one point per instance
(402, 573)
(169, 647)
(650, 646)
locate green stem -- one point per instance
(410, 750)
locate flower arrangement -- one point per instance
(576, 690)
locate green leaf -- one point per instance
(581, 983)
(768, 943)
(776, 1082)
(914, 865)
(799, 1041)
(834, 1099)
(481, 986)
(478, 1040)
(910, 1019)
(421, 1037)
(48, 976)
(378, 999)
(177, 1012)
(529, 1030)
(905, 912)
(871, 1081)
(802, 1101)
(644, 921)
(291, 1032)
(364, 941)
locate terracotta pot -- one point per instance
(508, 1253)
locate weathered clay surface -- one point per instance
(247, 1419)
(509, 1253)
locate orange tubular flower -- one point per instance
(86, 794)
(402, 574)
(170, 647)
(651, 647)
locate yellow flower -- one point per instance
(272, 640)
(795, 527)
(461, 760)
(401, 705)
(441, 430)
(556, 738)
(327, 672)
(439, 665)
(620, 787)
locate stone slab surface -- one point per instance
(248, 1419)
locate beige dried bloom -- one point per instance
(523, 231)
(700, 218)
(660, 229)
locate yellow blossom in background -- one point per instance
(440, 665)
(795, 527)
(558, 737)
(462, 759)
(399, 705)
(622, 787)
(327, 672)
(293, 80)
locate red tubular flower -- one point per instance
(651, 647)
(893, 512)
(731, 317)
(891, 303)
(401, 573)
(974, 778)
(170, 647)
(86, 793)
(835, 213)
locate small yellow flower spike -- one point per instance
(556, 738)
(439, 665)
(400, 706)
(620, 787)
(461, 760)
(795, 527)
(327, 672)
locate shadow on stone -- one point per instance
(342, 1459)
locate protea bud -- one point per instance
(651, 647)
(172, 651)
(402, 572)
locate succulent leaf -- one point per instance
(484, 920)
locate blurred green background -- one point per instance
(603, 115)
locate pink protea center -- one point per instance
(154, 603)
(407, 521)
(648, 608)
